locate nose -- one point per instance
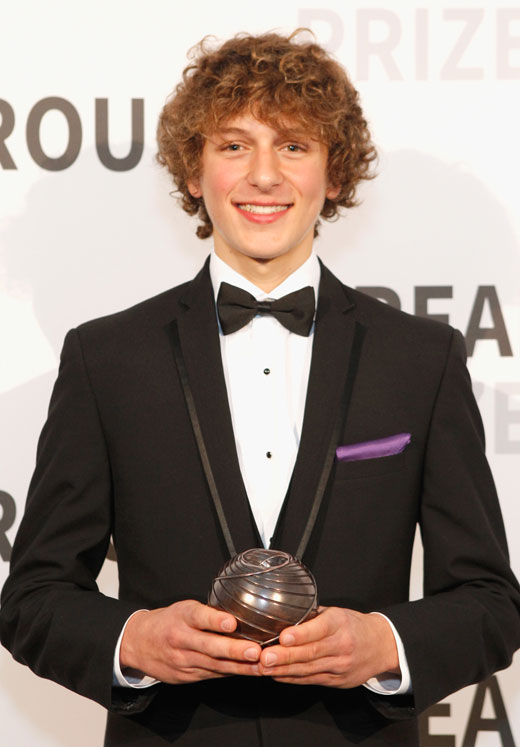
(264, 169)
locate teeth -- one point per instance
(263, 209)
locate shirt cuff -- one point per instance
(131, 677)
(389, 683)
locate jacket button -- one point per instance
(267, 371)
(269, 454)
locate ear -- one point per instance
(332, 192)
(194, 187)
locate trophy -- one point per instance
(266, 591)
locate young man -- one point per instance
(214, 389)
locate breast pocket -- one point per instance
(369, 467)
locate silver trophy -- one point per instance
(267, 591)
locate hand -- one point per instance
(338, 648)
(181, 643)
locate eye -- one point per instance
(294, 148)
(233, 147)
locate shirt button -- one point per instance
(268, 454)
(267, 371)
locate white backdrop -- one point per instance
(96, 233)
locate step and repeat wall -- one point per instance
(87, 227)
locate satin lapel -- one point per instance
(331, 358)
(200, 345)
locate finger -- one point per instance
(203, 617)
(327, 665)
(222, 647)
(195, 674)
(311, 630)
(276, 656)
(184, 676)
(324, 680)
(223, 667)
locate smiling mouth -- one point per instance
(262, 209)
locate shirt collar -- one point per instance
(307, 274)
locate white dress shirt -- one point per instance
(266, 369)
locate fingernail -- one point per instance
(255, 669)
(251, 653)
(288, 640)
(270, 659)
(227, 625)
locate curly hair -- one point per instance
(276, 78)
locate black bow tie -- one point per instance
(236, 307)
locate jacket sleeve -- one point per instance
(467, 626)
(53, 617)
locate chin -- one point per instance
(262, 254)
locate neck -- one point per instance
(266, 274)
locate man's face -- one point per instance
(263, 189)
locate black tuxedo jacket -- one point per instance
(118, 457)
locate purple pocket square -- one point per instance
(380, 447)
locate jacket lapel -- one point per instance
(335, 332)
(199, 341)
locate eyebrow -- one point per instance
(231, 130)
